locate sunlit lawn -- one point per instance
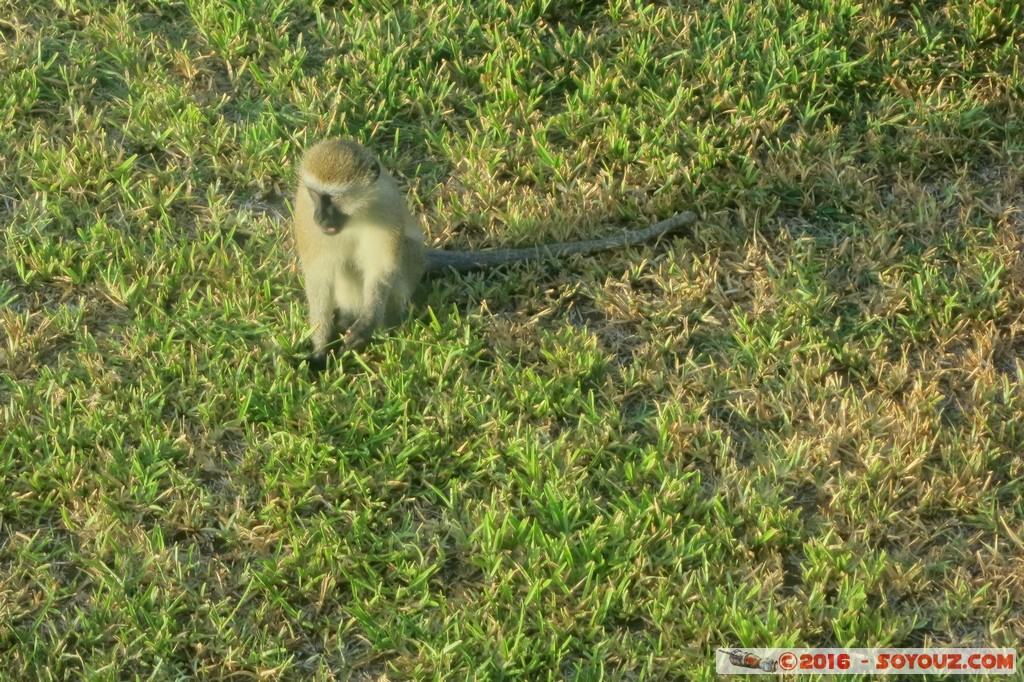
(798, 423)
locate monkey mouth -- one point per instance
(334, 224)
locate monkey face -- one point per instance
(327, 214)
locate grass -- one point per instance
(798, 424)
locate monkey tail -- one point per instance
(464, 261)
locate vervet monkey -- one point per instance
(362, 252)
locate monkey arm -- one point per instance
(321, 309)
(377, 290)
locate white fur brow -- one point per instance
(321, 188)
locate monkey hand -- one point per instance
(358, 335)
(317, 362)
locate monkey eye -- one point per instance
(318, 197)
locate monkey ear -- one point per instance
(375, 172)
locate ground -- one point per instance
(797, 423)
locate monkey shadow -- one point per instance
(513, 302)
